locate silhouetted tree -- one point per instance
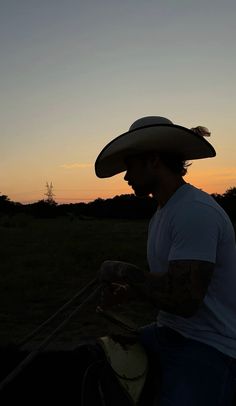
(43, 209)
(230, 193)
(229, 202)
(6, 204)
(123, 206)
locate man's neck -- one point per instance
(166, 189)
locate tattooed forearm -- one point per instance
(181, 290)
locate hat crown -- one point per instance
(149, 120)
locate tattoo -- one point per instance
(182, 288)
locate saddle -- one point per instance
(129, 363)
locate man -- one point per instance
(192, 259)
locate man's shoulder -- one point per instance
(194, 195)
(189, 204)
(197, 201)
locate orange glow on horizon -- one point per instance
(208, 180)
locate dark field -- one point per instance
(45, 262)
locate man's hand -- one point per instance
(113, 294)
(118, 281)
(118, 271)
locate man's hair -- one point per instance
(175, 163)
(172, 161)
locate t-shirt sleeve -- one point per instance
(195, 232)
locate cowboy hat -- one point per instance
(153, 133)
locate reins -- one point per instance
(30, 357)
(90, 290)
(29, 336)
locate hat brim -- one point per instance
(163, 138)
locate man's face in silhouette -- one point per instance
(141, 174)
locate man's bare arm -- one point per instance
(181, 289)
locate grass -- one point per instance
(45, 262)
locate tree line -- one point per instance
(123, 206)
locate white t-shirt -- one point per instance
(192, 226)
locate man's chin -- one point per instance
(141, 193)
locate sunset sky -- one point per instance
(74, 74)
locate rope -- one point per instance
(26, 361)
(29, 358)
(37, 329)
(117, 321)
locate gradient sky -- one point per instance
(75, 74)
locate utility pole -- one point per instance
(49, 193)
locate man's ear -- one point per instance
(154, 160)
